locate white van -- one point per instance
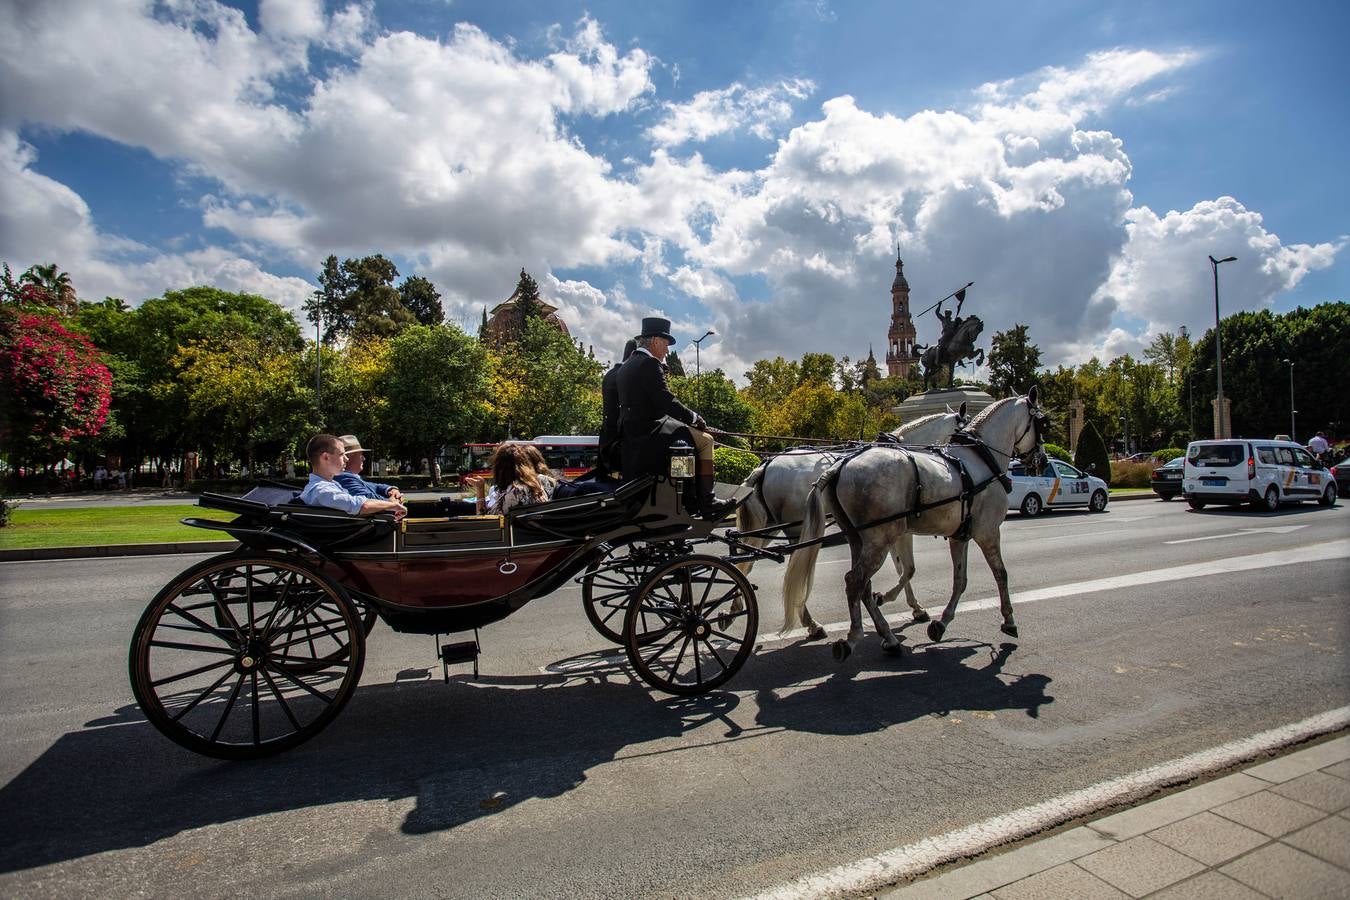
(1264, 473)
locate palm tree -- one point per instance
(55, 284)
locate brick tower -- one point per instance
(900, 356)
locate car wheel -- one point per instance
(1271, 500)
(1031, 505)
(1196, 504)
(1098, 502)
(1329, 496)
(1165, 497)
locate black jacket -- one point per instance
(609, 395)
(645, 399)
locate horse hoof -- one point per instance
(816, 633)
(896, 649)
(920, 617)
(878, 599)
(935, 631)
(1009, 630)
(841, 650)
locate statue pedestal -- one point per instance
(939, 401)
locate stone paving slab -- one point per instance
(1284, 833)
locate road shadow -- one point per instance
(466, 750)
(1252, 513)
(934, 679)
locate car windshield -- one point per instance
(1217, 454)
(1175, 464)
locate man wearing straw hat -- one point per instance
(651, 417)
(350, 477)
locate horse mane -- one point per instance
(988, 411)
(922, 419)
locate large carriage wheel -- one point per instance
(683, 633)
(246, 656)
(609, 584)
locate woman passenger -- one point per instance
(516, 481)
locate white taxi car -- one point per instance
(1059, 486)
(1264, 473)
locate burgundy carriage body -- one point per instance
(436, 574)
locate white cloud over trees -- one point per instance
(460, 152)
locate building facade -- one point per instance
(901, 357)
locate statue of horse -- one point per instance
(880, 494)
(956, 345)
(782, 483)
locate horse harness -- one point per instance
(969, 487)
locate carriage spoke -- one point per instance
(285, 707)
(229, 705)
(196, 648)
(310, 634)
(304, 660)
(201, 625)
(200, 697)
(197, 671)
(256, 730)
(303, 685)
(713, 650)
(223, 607)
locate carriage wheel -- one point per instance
(246, 656)
(608, 585)
(681, 633)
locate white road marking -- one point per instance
(1311, 553)
(1274, 529)
(914, 859)
(1081, 521)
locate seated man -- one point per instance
(326, 461)
(350, 477)
(651, 417)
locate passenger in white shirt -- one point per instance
(326, 459)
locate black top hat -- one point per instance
(654, 326)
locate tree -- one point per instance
(421, 298)
(42, 288)
(527, 298)
(1013, 361)
(554, 386)
(714, 396)
(246, 398)
(1091, 455)
(353, 391)
(358, 299)
(674, 364)
(437, 379)
(54, 388)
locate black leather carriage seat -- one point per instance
(275, 508)
(587, 516)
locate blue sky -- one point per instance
(747, 167)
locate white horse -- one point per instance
(880, 494)
(781, 486)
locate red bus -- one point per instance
(569, 455)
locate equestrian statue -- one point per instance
(954, 347)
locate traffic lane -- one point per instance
(587, 768)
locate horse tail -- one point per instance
(744, 521)
(801, 567)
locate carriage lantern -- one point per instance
(681, 461)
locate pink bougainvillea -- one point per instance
(53, 386)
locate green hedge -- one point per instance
(1131, 474)
(1057, 452)
(405, 483)
(733, 466)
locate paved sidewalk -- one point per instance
(1274, 829)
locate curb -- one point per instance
(43, 553)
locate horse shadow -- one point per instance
(468, 750)
(880, 690)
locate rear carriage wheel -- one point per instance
(246, 656)
(610, 581)
(685, 631)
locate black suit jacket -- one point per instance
(645, 399)
(609, 395)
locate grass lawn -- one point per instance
(29, 528)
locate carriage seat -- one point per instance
(276, 508)
(586, 515)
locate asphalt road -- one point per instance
(556, 774)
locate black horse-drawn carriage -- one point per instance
(253, 652)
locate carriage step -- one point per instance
(459, 652)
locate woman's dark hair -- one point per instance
(510, 464)
(536, 458)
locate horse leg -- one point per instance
(958, 550)
(902, 551)
(889, 642)
(867, 558)
(993, 554)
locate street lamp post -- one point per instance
(1190, 391)
(698, 369)
(1218, 343)
(318, 367)
(1125, 419)
(1293, 435)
